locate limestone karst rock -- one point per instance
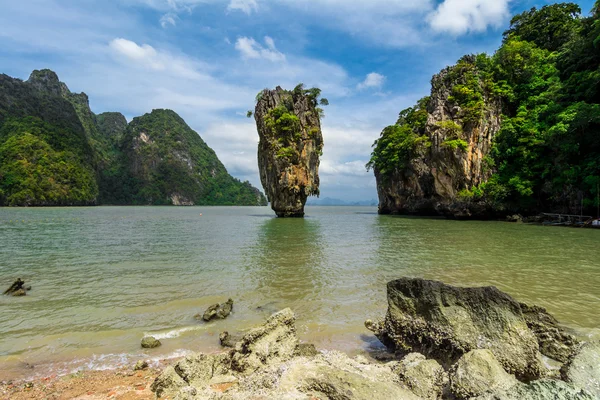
(291, 143)
(451, 139)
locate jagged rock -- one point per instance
(583, 368)
(187, 393)
(290, 145)
(543, 389)
(220, 311)
(149, 342)
(430, 182)
(478, 372)
(425, 378)
(16, 289)
(445, 322)
(168, 383)
(306, 350)
(228, 340)
(554, 341)
(196, 369)
(271, 343)
(140, 365)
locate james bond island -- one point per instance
(291, 142)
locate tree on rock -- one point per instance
(291, 143)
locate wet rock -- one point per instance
(271, 343)
(16, 289)
(290, 145)
(444, 322)
(306, 350)
(554, 341)
(478, 372)
(168, 383)
(425, 378)
(219, 311)
(196, 369)
(583, 368)
(150, 342)
(229, 340)
(543, 389)
(140, 365)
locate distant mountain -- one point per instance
(328, 201)
(55, 151)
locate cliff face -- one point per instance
(290, 145)
(450, 154)
(169, 163)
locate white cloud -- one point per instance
(250, 48)
(246, 6)
(372, 81)
(168, 19)
(458, 17)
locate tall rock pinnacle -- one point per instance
(291, 143)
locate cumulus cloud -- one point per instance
(372, 81)
(458, 17)
(246, 6)
(251, 49)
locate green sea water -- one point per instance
(104, 277)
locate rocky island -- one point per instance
(290, 145)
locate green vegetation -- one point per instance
(402, 142)
(55, 151)
(546, 155)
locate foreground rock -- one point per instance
(554, 341)
(18, 288)
(426, 378)
(543, 389)
(477, 373)
(445, 322)
(150, 342)
(583, 368)
(290, 145)
(266, 363)
(218, 311)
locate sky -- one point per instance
(207, 60)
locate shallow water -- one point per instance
(103, 277)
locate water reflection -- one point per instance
(286, 266)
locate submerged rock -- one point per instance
(290, 145)
(554, 341)
(425, 378)
(149, 342)
(219, 311)
(445, 322)
(583, 368)
(478, 372)
(17, 288)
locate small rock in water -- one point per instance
(149, 342)
(140, 365)
(16, 289)
(220, 311)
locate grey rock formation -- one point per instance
(425, 378)
(434, 177)
(554, 340)
(273, 342)
(290, 145)
(478, 372)
(219, 311)
(583, 368)
(150, 342)
(445, 322)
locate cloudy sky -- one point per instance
(207, 60)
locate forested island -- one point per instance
(514, 132)
(54, 151)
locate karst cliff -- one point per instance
(290, 145)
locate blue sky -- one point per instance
(207, 59)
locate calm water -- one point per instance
(103, 277)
